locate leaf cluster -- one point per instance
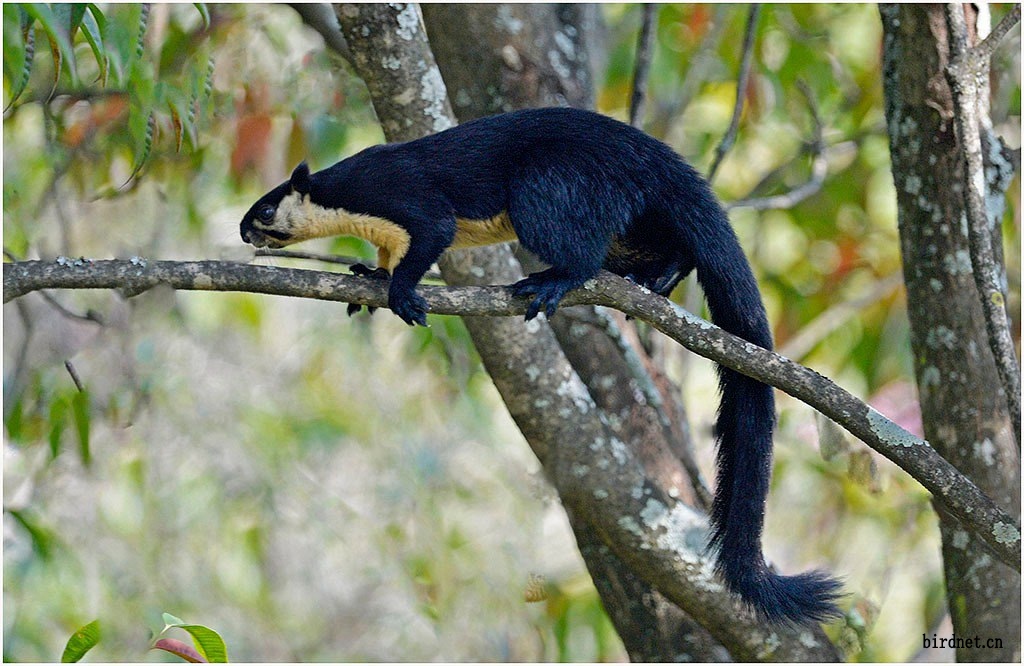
(108, 85)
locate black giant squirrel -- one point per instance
(582, 192)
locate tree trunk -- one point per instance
(963, 407)
(513, 69)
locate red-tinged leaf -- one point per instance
(252, 142)
(58, 59)
(179, 134)
(180, 649)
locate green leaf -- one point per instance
(70, 16)
(171, 621)
(58, 419)
(81, 642)
(80, 413)
(19, 50)
(54, 27)
(209, 643)
(42, 539)
(204, 11)
(118, 28)
(15, 420)
(93, 34)
(98, 15)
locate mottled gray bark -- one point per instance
(963, 407)
(967, 74)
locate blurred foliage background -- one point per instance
(320, 488)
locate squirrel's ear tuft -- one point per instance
(300, 179)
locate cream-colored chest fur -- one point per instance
(303, 220)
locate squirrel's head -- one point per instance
(271, 222)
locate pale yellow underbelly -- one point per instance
(474, 233)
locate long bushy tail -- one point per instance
(746, 419)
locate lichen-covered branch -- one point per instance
(966, 68)
(954, 491)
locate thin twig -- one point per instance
(320, 16)
(819, 168)
(312, 256)
(90, 315)
(74, 376)
(741, 92)
(343, 260)
(643, 65)
(964, 72)
(814, 332)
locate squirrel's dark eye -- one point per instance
(265, 213)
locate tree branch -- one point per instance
(741, 91)
(819, 168)
(984, 50)
(957, 494)
(320, 17)
(643, 64)
(966, 68)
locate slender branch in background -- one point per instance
(966, 68)
(320, 16)
(643, 64)
(90, 316)
(741, 91)
(343, 260)
(74, 376)
(625, 339)
(819, 168)
(312, 256)
(814, 332)
(984, 50)
(951, 489)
